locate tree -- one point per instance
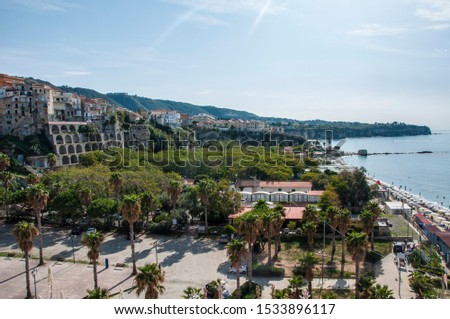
(422, 286)
(364, 286)
(97, 293)
(86, 198)
(193, 293)
(7, 178)
(249, 225)
(311, 213)
(368, 219)
(149, 202)
(93, 242)
(5, 161)
(37, 199)
(205, 187)
(374, 208)
(33, 179)
(116, 182)
(295, 284)
(271, 221)
(381, 292)
(25, 234)
(235, 251)
(150, 279)
(332, 214)
(174, 190)
(356, 245)
(307, 263)
(131, 210)
(277, 226)
(344, 219)
(309, 228)
(52, 160)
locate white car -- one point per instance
(243, 270)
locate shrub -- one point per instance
(248, 291)
(261, 270)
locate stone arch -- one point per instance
(100, 146)
(119, 137)
(76, 138)
(65, 160)
(92, 138)
(59, 139)
(64, 129)
(79, 148)
(98, 137)
(74, 159)
(88, 148)
(55, 129)
(111, 136)
(94, 147)
(71, 149)
(68, 139)
(62, 150)
(72, 129)
(84, 138)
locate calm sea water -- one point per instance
(427, 175)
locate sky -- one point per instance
(339, 60)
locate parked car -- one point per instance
(243, 270)
(91, 230)
(76, 230)
(223, 239)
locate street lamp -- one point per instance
(155, 245)
(73, 246)
(34, 272)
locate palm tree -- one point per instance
(235, 251)
(37, 199)
(93, 241)
(356, 245)
(308, 262)
(174, 190)
(7, 178)
(97, 293)
(368, 219)
(52, 159)
(381, 292)
(344, 219)
(310, 230)
(131, 210)
(116, 181)
(5, 161)
(364, 286)
(249, 225)
(422, 286)
(278, 226)
(86, 199)
(296, 283)
(149, 202)
(374, 208)
(33, 179)
(193, 293)
(205, 187)
(332, 214)
(25, 234)
(311, 213)
(150, 279)
(271, 225)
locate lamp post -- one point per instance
(155, 245)
(73, 246)
(34, 272)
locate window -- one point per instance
(293, 190)
(279, 189)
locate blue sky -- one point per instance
(352, 60)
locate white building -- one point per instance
(166, 117)
(397, 208)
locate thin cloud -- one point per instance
(46, 5)
(438, 27)
(434, 10)
(264, 10)
(376, 30)
(76, 73)
(230, 6)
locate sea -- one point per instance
(426, 175)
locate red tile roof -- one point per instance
(286, 184)
(423, 219)
(293, 213)
(314, 193)
(444, 237)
